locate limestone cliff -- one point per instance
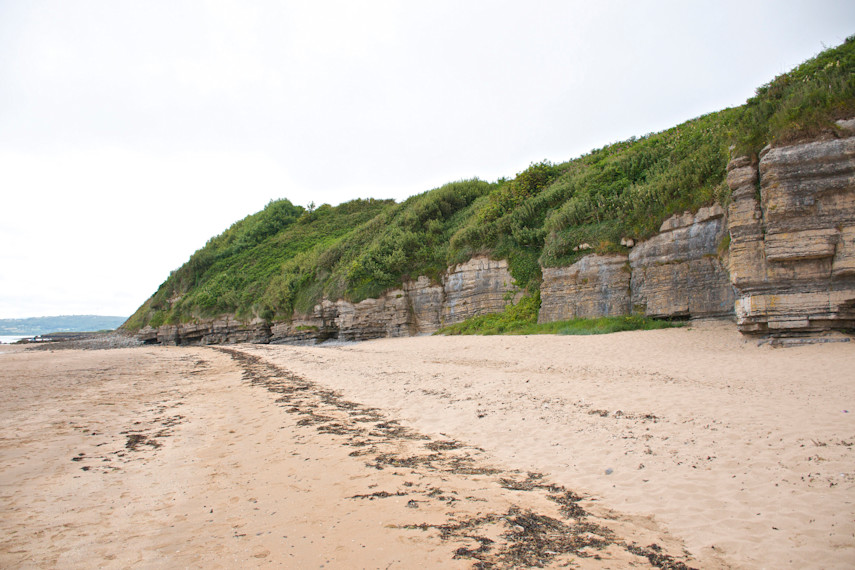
(478, 286)
(781, 259)
(594, 286)
(226, 330)
(677, 273)
(792, 226)
(790, 264)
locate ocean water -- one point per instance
(5, 339)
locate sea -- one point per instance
(6, 339)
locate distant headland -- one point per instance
(64, 323)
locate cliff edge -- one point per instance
(745, 214)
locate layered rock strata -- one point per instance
(792, 227)
(789, 267)
(227, 330)
(594, 286)
(677, 273)
(478, 286)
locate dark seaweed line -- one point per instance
(529, 540)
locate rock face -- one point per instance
(220, 331)
(594, 286)
(478, 286)
(678, 273)
(792, 226)
(426, 304)
(789, 268)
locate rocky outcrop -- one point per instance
(426, 301)
(386, 316)
(678, 272)
(594, 286)
(318, 326)
(792, 227)
(788, 269)
(478, 286)
(226, 330)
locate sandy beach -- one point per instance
(676, 448)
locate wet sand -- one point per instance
(632, 450)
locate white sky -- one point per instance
(132, 132)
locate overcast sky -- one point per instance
(132, 132)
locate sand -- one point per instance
(683, 446)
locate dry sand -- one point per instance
(628, 450)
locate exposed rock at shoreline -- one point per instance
(226, 330)
(679, 272)
(792, 254)
(89, 341)
(478, 286)
(781, 260)
(594, 286)
(675, 274)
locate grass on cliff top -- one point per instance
(625, 190)
(285, 259)
(800, 104)
(521, 319)
(402, 242)
(231, 273)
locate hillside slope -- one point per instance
(285, 259)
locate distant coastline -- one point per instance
(35, 326)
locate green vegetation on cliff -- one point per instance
(623, 190)
(286, 258)
(518, 319)
(401, 241)
(232, 273)
(803, 103)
